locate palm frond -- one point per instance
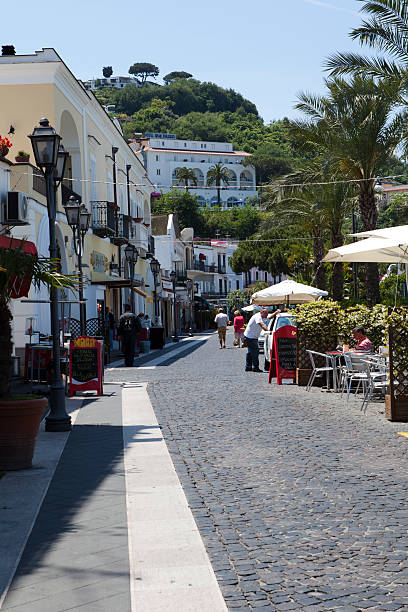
(377, 67)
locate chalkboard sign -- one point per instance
(284, 345)
(287, 353)
(85, 365)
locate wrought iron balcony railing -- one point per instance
(122, 229)
(103, 219)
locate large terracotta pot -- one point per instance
(19, 424)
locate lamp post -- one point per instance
(78, 219)
(155, 268)
(173, 275)
(189, 284)
(45, 143)
(132, 255)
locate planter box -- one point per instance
(303, 375)
(396, 409)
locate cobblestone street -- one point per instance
(300, 498)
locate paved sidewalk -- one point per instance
(114, 531)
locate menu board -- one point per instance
(287, 353)
(284, 345)
(85, 365)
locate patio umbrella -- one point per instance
(287, 292)
(252, 308)
(398, 233)
(370, 250)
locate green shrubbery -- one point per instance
(325, 323)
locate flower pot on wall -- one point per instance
(22, 159)
(19, 424)
(4, 151)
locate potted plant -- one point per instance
(22, 157)
(5, 145)
(20, 415)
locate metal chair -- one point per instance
(354, 371)
(318, 370)
(376, 380)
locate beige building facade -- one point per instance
(102, 171)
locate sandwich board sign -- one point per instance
(284, 350)
(85, 365)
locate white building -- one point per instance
(163, 154)
(118, 82)
(212, 272)
(173, 248)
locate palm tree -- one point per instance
(217, 175)
(357, 126)
(186, 175)
(16, 267)
(320, 209)
(387, 30)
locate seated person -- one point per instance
(363, 343)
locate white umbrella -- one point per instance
(287, 292)
(252, 308)
(398, 233)
(370, 250)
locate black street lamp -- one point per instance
(78, 219)
(155, 268)
(46, 142)
(189, 284)
(132, 255)
(173, 275)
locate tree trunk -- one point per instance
(368, 213)
(6, 348)
(338, 271)
(319, 272)
(218, 196)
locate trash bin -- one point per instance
(145, 346)
(157, 337)
(16, 366)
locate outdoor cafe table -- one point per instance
(334, 358)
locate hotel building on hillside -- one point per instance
(163, 154)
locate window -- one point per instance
(237, 284)
(257, 275)
(158, 171)
(266, 277)
(185, 144)
(162, 143)
(157, 158)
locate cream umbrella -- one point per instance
(370, 250)
(287, 292)
(398, 233)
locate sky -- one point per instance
(268, 50)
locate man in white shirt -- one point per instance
(221, 320)
(252, 332)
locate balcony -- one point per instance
(122, 230)
(221, 269)
(139, 237)
(181, 272)
(103, 219)
(150, 243)
(202, 267)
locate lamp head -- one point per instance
(45, 142)
(155, 266)
(84, 219)
(73, 212)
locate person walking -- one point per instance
(251, 335)
(221, 320)
(109, 326)
(129, 327)
(239, 323)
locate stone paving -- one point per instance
(299, 497)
